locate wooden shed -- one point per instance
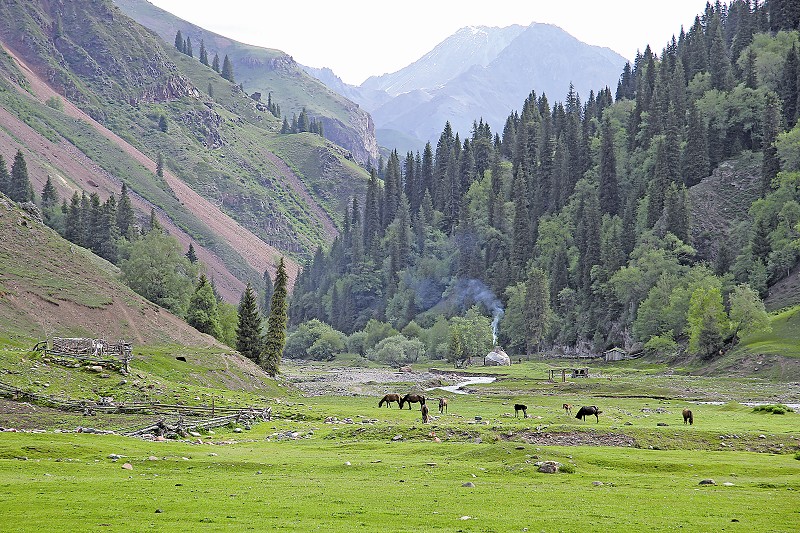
(615, 354)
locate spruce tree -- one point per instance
(203, 53)
(160, 165)
(276, 323)
(227, 69)
(49, 195)
(188, 50)
(770, 164)
(162, 124)
(789, 86)
(21, 189)
(5, 177)
(179, 41)
(125, 217)
(191, 255)
(202, 312)
(215, 63)
(72, 220)
(609, 192)
(249, 340)
(695, 154)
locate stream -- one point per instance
(456, 389)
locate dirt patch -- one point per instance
(577, 438)
(314, 380)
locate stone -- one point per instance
(549, 467)
(237, 430)
(478, 440)
(468, 484)
(708, 482)
(662, 424)
(152, 458)
(597, 483)
(160, 438)
(762, 436)
(194, 434)
(127, 466)
(397, 437)
(347, 463)
(115, 456)
(728, 484)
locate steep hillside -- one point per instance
(266, 70)
(50, 287)
(223, 188)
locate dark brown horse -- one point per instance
(687, 417)
(388, 399)
(519, 407)
(442, 405)
(412, 398)
(425, 416)
(589, 410)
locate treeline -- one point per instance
(577, 216)
(303, 123)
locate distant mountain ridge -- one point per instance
(481, 72)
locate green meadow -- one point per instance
(337, 462)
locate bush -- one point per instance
(56, 103)
(775, 409)
(398, 350)
(567, 468)
(661, 345)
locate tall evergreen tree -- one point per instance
(202, 312)
(695, 154)
(203, 53)
(72, 220)
(160, 165)
(188, 51)
(125, 218)
(770, 164)
(179, 41)
(215, 63)
(609, 192)
(269, 289)
(5, 177)
(49, 195)
(21, 189)
(162, 124)
(276, 323)
(191, 255)
(227, 69)
(789, 86)
(249, 339)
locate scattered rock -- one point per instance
(478, 440)
(708, 482)
(468, 484)
(597, 483)
(465, 517)
(160, 438)
(127, 466)
(728, 484)
(397, 437)
(478, 418)
(549, 467)
(662, 424)
(431, 464)
(347, 463)
(159, 511)
(237, 430)
(762, 436)
(194, 434)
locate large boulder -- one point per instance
(497, 357)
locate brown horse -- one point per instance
(567, 407)
(519, 407)
(590, 410)
(388, 399)
(425, 416)
(687, 417)
(442, 405)
(412, 398)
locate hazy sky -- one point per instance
(360, 38)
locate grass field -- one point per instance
(337, 462)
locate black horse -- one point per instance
(589, 410)
(412, 398)
(519, 407)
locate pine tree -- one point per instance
(609, 192)
(191, 255)
(21, 189)
(188, 50)
(49, 195)
(215, 63)
(160, 165)
(789, 86)
(249, 340)
(72, 220)
(202, 312)
(537, 309)
(276, 323)
(162, 124)
(203, 53)
(227, 69)
(125, 218)
(5, 177)
(770, 164)
(695, 154)
(179, 41)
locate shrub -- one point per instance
(775, 409)
(567, 468)
(56, 103)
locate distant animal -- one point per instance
(519, 407)
(442, 405)
(388, 399)
(589, 410)
(412, 398)
(567, 407)
(687, 417)
(424, 410)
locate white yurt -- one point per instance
(497, 357)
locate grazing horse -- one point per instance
(519, 407)
(687, 417)
(424, 410)
(590, 410)
(442, 405)
(388, 399)
(412, 398)
(567, 407)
